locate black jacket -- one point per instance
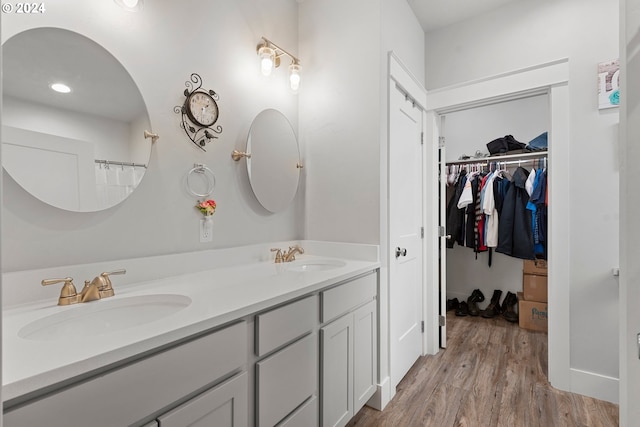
(515, 235)
(455, 216)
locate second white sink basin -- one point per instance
(316, 265)
(103, 316)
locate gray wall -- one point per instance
(527, 33)
(160, 47)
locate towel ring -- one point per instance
(208, 173)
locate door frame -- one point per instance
(629, 229)
(397, 74)
(551, 78)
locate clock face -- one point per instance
(202, 109)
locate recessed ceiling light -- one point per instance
(131, 5)
(61, 87)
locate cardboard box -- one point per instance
(535, 266)
(532, 314)
(534, 287)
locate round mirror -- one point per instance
(73, 121)
(274, 165)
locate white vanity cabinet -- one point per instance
(348, 349)
(301, 358)
(222, 406)
(128, 394)
(287, 379)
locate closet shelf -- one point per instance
(492, 159)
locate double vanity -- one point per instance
(236, 341)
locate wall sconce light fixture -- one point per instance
(270, 55)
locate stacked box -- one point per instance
(532, 315)
(532, 307)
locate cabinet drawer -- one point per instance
(341, 299)
(304, 416)
(285, 380)
(277, 327)
(125, 395)
(224, 405)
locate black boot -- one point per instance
(476, 297)
(493, 309)
(509, 307)
(452, 304)
(463, 309)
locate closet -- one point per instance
(466, 133)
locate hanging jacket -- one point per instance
(455, 216)
(540, 226)
(515, 236)
(470, 217)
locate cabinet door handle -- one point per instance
(401, 252)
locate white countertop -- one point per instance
(218, 296)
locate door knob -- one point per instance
(401, 252)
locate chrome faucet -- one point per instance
(100, 287)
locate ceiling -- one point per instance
(34, 59)
(434, 14)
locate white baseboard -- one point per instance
(595, 385)
(383, 395)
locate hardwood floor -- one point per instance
(492, 374)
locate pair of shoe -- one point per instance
(453, 304)
(507, 309)
(470, 306)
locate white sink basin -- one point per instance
(103, 316)
(316, 265)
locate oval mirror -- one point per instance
(83, 150)
(274, 163)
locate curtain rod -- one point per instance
(109, 162)
(501, 159)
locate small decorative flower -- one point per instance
(614, 98)
(207, 207)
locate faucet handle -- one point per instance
(68, 293)
(278, 252)
(104, 282)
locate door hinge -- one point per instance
(441, 142)
(422, 232)
(442, 321)
(422, 326)
(421, 138)
(441, 231)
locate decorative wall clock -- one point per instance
(199, 113)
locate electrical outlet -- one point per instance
(206, 230)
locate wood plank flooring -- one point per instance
(492, 374)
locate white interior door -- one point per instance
(59, 171)
(405, 222)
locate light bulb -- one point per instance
(294, 77)
(60, 87)
(267, 59)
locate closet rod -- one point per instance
(501, 159)
(109, 162)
